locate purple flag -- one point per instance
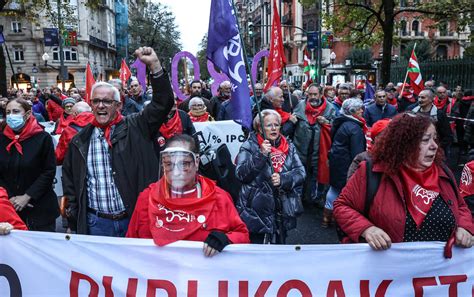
(141, 73)
(369, 92)
(2, 38)
(224, 49)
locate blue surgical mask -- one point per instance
(15, 121)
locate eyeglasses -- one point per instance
(181, 165)
(105, 102)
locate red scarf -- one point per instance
(64, 120)
(285, 116)
(364, 124)
(30, 129)
(173, 219)
(324, 147)
(468, 98)
(172, 126)
(278, 154)
(338, 101)
(466, 186)
(108, 127)
(82, 119)
(393, 101)
(440, 104)
(313, 113)
(420, 188)
(201, 118)
(408, 94)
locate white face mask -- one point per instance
(15, 121)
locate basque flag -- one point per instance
(224, 49)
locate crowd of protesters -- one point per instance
(130, 159)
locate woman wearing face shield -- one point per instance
(28, 167)
(184, 205)
(272, 177)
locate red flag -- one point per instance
(414, 73)
(307, 69)
(125, 73)
(90, 81)
(277, 58)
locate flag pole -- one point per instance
(248, 69)
(406, 75)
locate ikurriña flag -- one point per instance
(225, 50)
(414, 73)
(276, 60)
(307, 68)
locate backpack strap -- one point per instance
(373, 182)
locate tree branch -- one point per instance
(368, 8)
(422, 11)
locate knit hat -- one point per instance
(351, 105)
(68, 100)
(378, 127)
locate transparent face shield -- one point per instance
(179, 167)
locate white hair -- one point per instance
(195, 101)
(109, 86)
(82, 107)
(265, 113)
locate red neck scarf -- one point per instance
(392, 101)
(172, 126)
(408, 95)
(202, 118)
(173, 219)
(420, 188)
(30, 129)
(313, 113)
(278, 154)
(64, 120)
(285, 116)
(364, 124)
(108, 127)
(338, 101)
(82, 119)
(466, 186)
(440, 104)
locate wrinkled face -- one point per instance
(135, 88)
(104, 107)
(271, 126)
(442, 93)
(258, 90)
(180, 169)
(284, 86)
(424, 99)
(343, 94)
(314, 98)
(68, 108)
(359, 112)
(428, 148)
(277, 100)
(381, 98)
(196, 89)
(226, 90)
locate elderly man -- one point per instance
(343, 93)
(273, 99)
(257, 97)
(224, 93)
(442, 100)
(379, 109)
(312, 141)
(129, 106)
(290, 101)
(196, 89)
(137, 94)
(426, 107)
(112, 160)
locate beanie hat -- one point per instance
(68, 100)
(351, 105)
(378, 127)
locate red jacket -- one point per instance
(388, 210)
(223, 217)
(8, 213)
(81, 120)
(54, 110)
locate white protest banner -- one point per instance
(228, 132)
(53, 264)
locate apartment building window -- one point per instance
(415, 27)
(70, 54)
(18, 54)
(16, 27)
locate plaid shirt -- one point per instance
(103, 194)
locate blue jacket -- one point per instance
(374, 112)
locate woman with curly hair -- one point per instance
(417, 197)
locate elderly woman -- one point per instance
(198, 111)
(348, 140)
(66, 116)
(416, 198)
(28, 167)
(9, 219)
(272, 177)
(184, 205)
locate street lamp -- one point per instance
(45, 58)
(332, 57)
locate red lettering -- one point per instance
(107, 283)
(76, 277)
(335, 287)
(381, 289)
(192, 288)
(452, 281)
(132, 287)
(420, 282)
(154, 284)
(223, 289)
(261, 290)
(294, 284)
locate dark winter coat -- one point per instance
(31, 173)
(256, 203)
(134, 162)
(348, 140)
(469, 126)
(130, 107)
(374, 113)
(188, 128)
(441, 123)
